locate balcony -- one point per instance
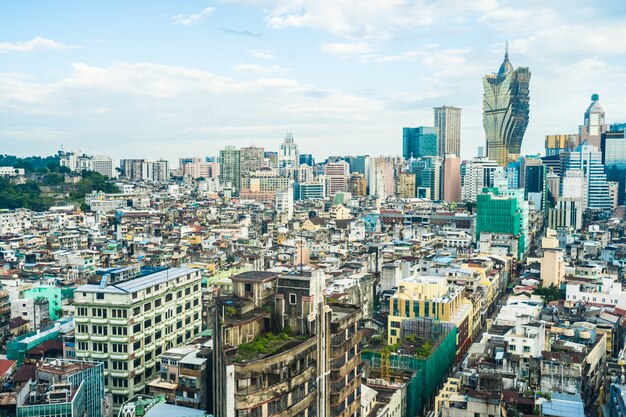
(81, 336)
(99, 338)
(99, 320)
(120, 391)
(118, 321)
(119, 339)
(99, 355)
(119, 374)
(81, 320)
(119, 356)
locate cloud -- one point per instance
(346, 48)
(244, 32)
(261, 54)
(260, 69)
(36, 44)
(193, 18)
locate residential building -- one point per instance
(552, 262)
(451, 178)
(103, 165)
(230, 170)
(250, 160)
(357, 184)
(406, 185)
(381, 179)
(505, 111)
(477, 174)
(129, 323)
(336, 175)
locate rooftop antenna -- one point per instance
(506, 51)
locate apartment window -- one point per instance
(395, 324)
(187, 305)
(526, 349)
(147, 307)
(179, 309)
(512, 348)
(147, 323)
(293, 299)
(196, 302)
(157, 303)
(137, 328)
(119, 331)
(147, 340)
(195, 287)
(83, 346)
(187, 291)
(137, 345)
(168, 298)
(120, 348)
(99, 296)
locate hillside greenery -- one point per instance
(46, 184)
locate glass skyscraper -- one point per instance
(419, 141)
(505, 111)
(614, 159)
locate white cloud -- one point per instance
(260, 69)
(346, 48)
(261, 54)
(35, 44)
(193, 18)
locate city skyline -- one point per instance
(156, 80)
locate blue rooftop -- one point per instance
(563, 405)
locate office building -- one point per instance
(448, 125)
(428, 177)
(505, 111)
(588, 159)
(306, 159)
(594, 126)
(129, 323)
(419, 141)
(451, 178)
(555, 144)
(308, 191)
(230, 170)
(288, 155)
(614, 159)
(336, 175)
(358, 164)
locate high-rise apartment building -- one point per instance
(588, 159)
(357, 185)
(594, 125)
(201, 169)
(505, 111)
(302, 360)
(448, 124)
(230, 171)
(478, 173)
(288, 155)
(336, 174)
(132, 168)
(129, 323)
(381, 178)
(452, 178)
(406, 185)
(160, 171)
(419, 141)
(250, 160)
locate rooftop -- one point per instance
(139, 283)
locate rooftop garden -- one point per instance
(267, 344)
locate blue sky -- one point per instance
(159, 79)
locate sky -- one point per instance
(164, 79)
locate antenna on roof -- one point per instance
(506, 51)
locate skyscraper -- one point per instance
(250, 160)
(505, 111)
(594, 126)
(419, 141)
(288, 155)
(448, 124)
(452, 178)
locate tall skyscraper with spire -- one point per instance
(505, 111)
(594, 126)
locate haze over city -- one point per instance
(163, 79)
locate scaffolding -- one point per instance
(428, 374)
